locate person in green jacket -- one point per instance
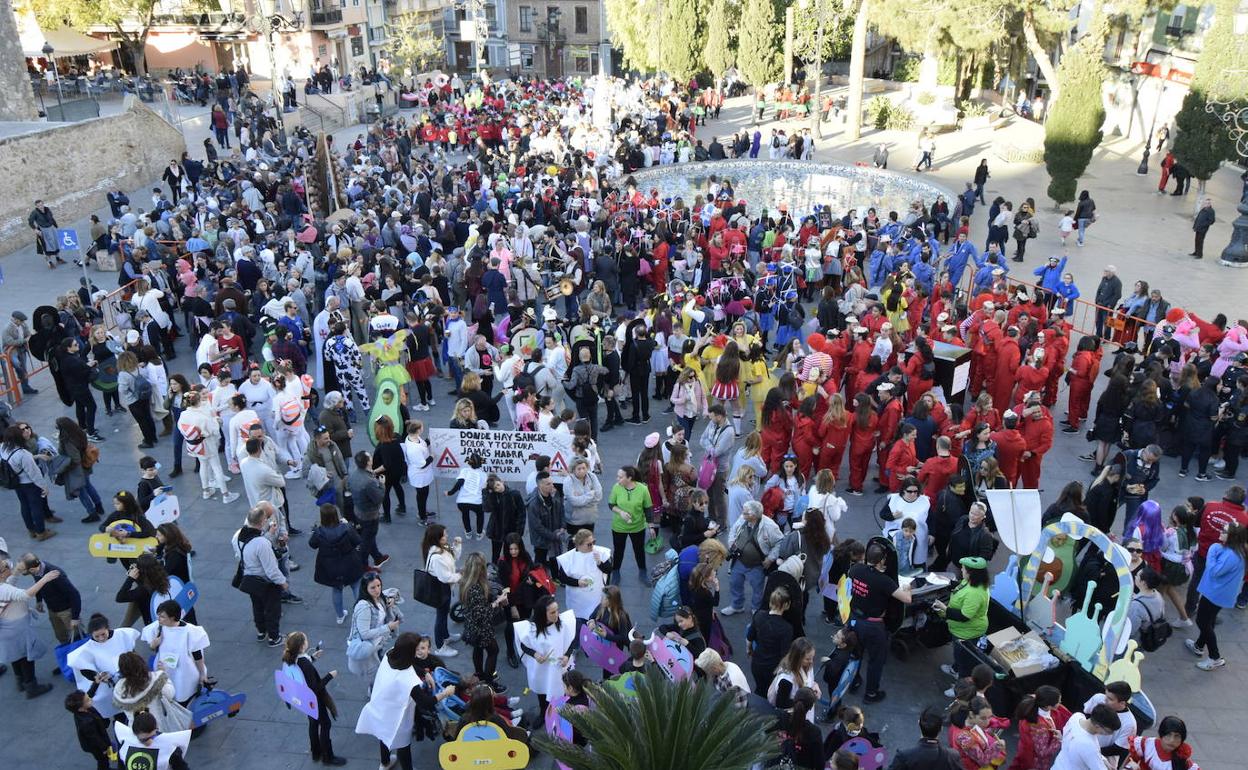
(967, 614)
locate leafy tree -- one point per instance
(1202, 141)
(633, 25)
(413, 45)
(720, 52)
(680, 49)
(667, 726)
(1073, 129)
(761, 42)
(838, 30)
(131, 20)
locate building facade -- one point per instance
(558, 38)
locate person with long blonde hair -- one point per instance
(834, 431)
(479, 606)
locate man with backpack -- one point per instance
(582, 386)
(259, 575)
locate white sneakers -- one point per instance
(1181, 623)
(208, 493)
(453, 638)
(342, 616)
(229, 497)
(730, 610)
(446, 651)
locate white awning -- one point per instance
(65, 42)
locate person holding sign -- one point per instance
(297, 661)
(583, 570)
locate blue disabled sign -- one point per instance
(68, 239)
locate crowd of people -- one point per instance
(496, 240)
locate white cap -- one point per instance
(1008, 414)
(942, 317)
(549, 314)
(948, 328)
(998, 271)
(886, 387)
(860, 330)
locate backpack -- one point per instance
(527, 379)
(91, 456)
(1153, 632)
(9, 477)
(665, 597)
(142, 388)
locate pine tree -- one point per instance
(720, 52)
(1202, 141)
(680, 50)
(633, 24)
(1073, 129)
(760, 47)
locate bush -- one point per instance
(906, 69)
(973, 109)
(886, 116)
(925, 98)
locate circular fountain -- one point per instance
(800, 185)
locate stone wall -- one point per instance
(72, 166)
(17, 101)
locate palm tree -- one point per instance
(666, 726)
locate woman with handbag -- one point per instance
(338, 562)
(76, 475)
(480, 602)
(440, 557)
(141, 690)
(298, 663)
(373, 621)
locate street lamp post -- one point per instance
(269, 24)
(1163, 75)
(60, 97)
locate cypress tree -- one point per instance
(1202, 141)
(720, 52)
(760, 47)
(1073, 129)
(680, 51)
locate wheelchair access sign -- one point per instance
(67, 239)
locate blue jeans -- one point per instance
(440, 630)
(736, 586)
(90, 499)
(1083, 226)
(335, 593)
(686, 423)
(30, 497)
(456, 371)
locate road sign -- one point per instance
(68, 239)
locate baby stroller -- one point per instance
(914, 623)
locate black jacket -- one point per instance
(1109, 291)
(927, 755)
(338, 558)
(507, 513)
(60, 594)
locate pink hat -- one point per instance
(652, 440)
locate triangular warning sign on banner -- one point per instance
(447, 460)
(557, 463)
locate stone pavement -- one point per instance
(1214, 704)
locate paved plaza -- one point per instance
(1146, 235)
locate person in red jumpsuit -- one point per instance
(902, 460)
(919, 368)
(1032, 375)
(777, 430)
(834, 431)
(862, 439)
(838, 350)
(936, 470)
(859, 354)
(1037, 427)
(1080, 378)
(985, 335)
(1056, 345)
(1007, 361)
(1010, 447)
(806, 443)
(890, 417)
(982, 411)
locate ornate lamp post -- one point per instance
(60, 97)
(269, 23)
(1234, 115)
(1163, 75)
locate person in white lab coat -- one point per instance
(96, 661)
(179, 648)
(398, 692)
(585, 570)
(547, 643)
(162, 750)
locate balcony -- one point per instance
(214, 20)
(330, 18)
